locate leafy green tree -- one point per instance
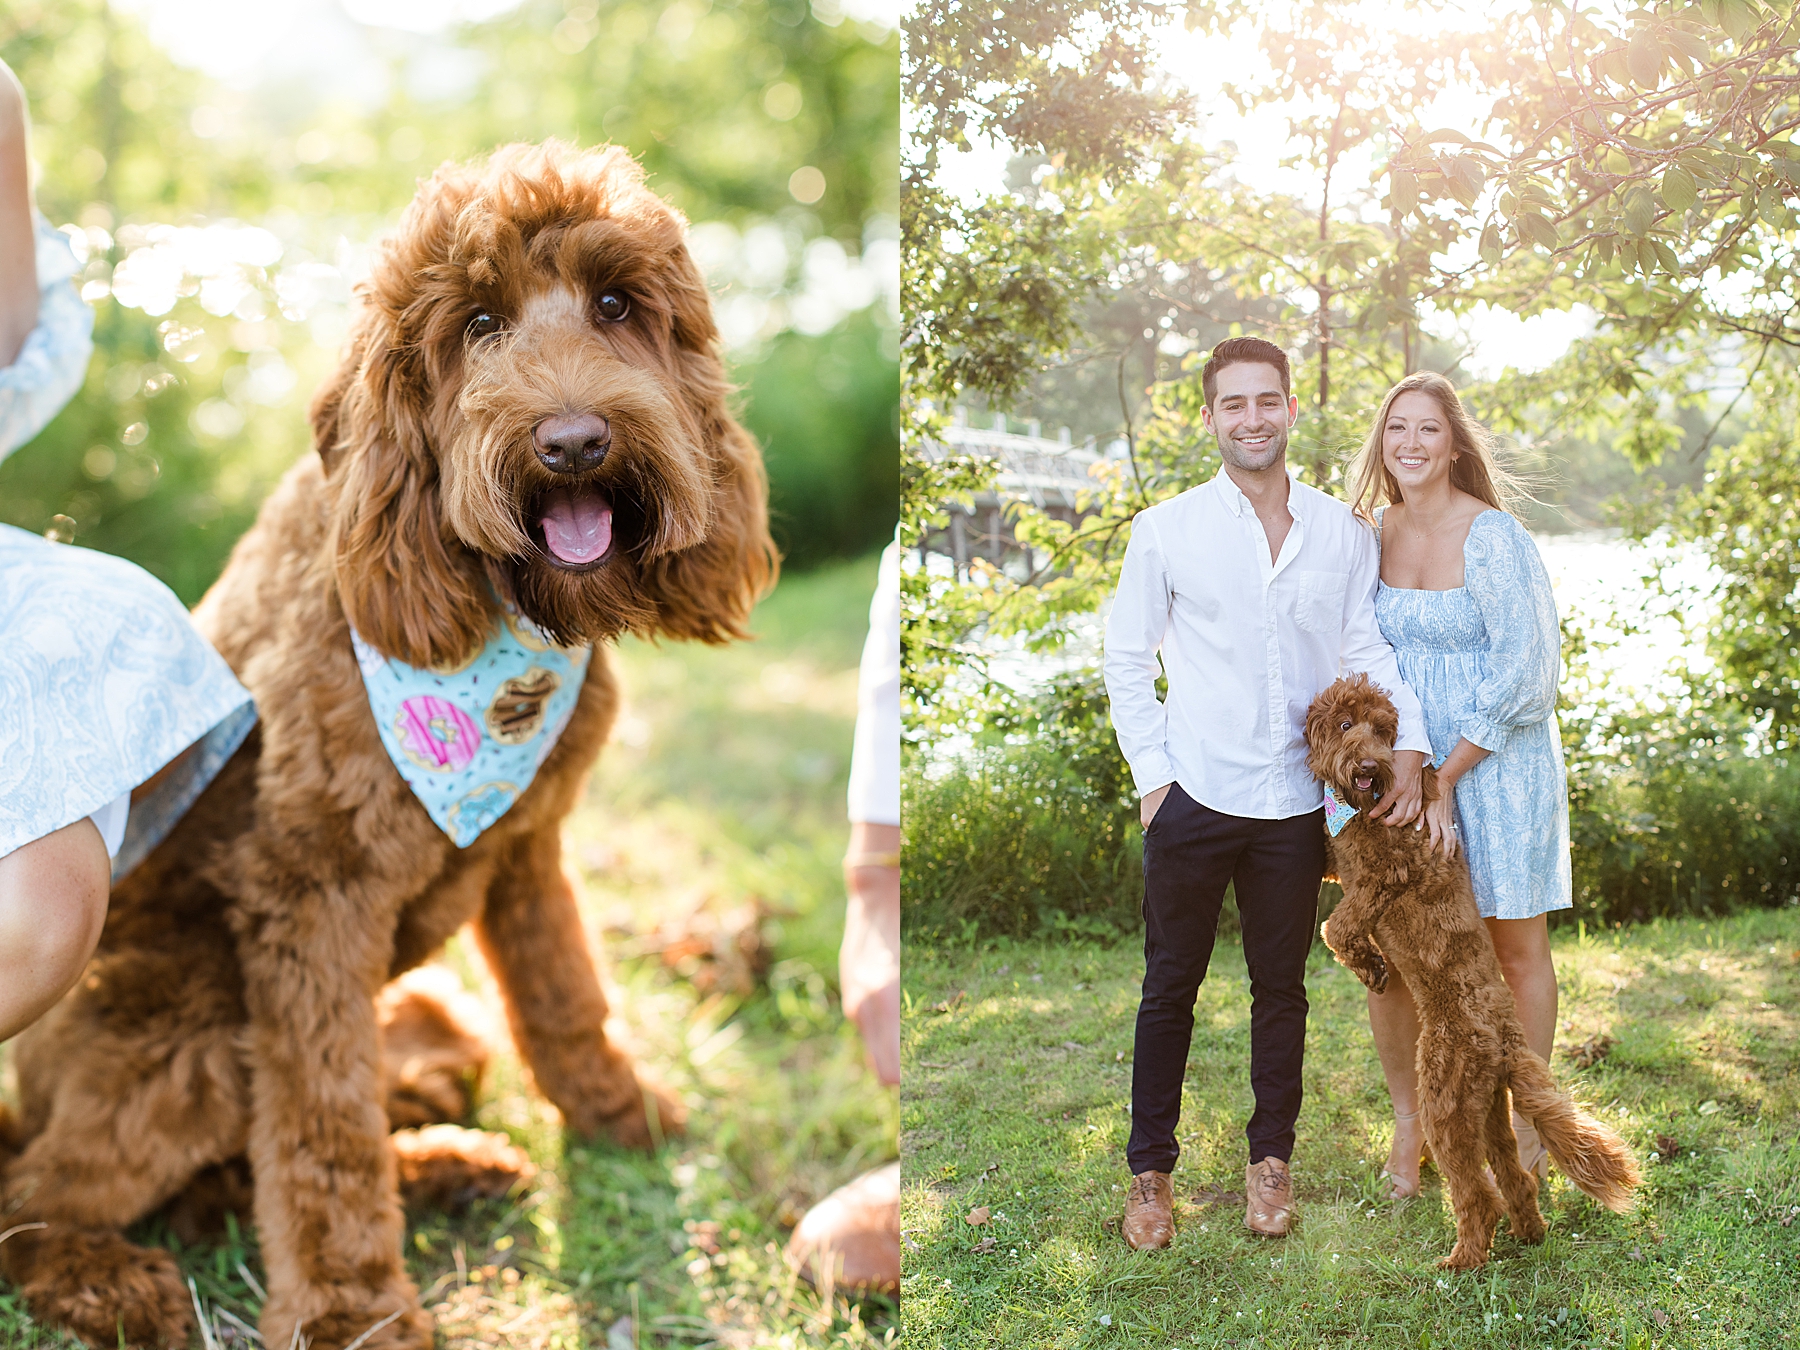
(1638, 162)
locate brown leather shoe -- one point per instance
(1269, 1191)
(1150, 1211)
(851, 1239)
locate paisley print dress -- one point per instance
(103, 677)
(1485, 659)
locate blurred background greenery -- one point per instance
(224, 170)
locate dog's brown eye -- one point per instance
(1343, 726)
(612, 305)
(485, 325)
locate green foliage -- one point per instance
(1070, 78)
(194, 403)
(1034, 831)
(826, 411)
(1685, 834)
(1632, 154)
(1745, 518)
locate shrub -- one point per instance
(1036, 830)
(1685, 834)
(1033, 832)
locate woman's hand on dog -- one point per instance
(1406, 798)
(1440, 820)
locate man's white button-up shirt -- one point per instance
(1246, 644)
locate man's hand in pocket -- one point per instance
(1151, 803)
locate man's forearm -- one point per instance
(869, 959)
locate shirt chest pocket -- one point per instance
(1319, 602)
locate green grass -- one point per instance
(724, 788)
(1016, 1086)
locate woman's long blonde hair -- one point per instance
(1476, 469)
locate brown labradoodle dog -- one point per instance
(1407, 905)
(531, 407)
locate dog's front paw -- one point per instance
(447, 1167)
(1368, 966)
(1528, 1227)
(408, 1327)
(106, 1290)
(653, 1116)
(1464, 1256)
(1376, 976)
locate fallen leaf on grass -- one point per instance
(1658, 1316)
(704, 1234)
(727, 952)
(949, 1004)
(1217, 1195)
(1591, 1051)
(1073, 1045)
(977, 1216)
(1710, 1108)
(985, 1245)
(1667, 1146)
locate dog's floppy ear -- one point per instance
(1319, 716)
(706, 591)
(1387, 721)
(406, 590)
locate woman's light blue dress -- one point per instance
(103, 677)
(1484, 660)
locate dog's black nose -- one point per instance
(572, 444)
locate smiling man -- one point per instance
(1258, 591)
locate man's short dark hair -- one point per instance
(1239, 351)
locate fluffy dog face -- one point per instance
(532, 407)
(1350, 733)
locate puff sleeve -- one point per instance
(1506, 579)
(54, 360)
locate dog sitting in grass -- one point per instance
(1409, 906)
(526, 451)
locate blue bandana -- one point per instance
(1337, 812)
(469, 740)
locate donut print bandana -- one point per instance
(468, 741)
(1337, 812)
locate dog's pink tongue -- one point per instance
(577, 524)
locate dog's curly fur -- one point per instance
(1409, 907)
(231, 1009)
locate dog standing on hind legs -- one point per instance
(1408, 906)
(525, 452)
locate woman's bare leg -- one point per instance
(53, 894)
(1523, 946)
(1395, 1022)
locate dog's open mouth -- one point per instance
(576, 523)
(1363, 782)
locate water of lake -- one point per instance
(1599, 581)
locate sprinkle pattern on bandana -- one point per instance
(1337, 812)
(469, 740)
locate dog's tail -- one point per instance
(1589, 1153)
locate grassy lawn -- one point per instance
(718, 810)
(1016, 1086)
